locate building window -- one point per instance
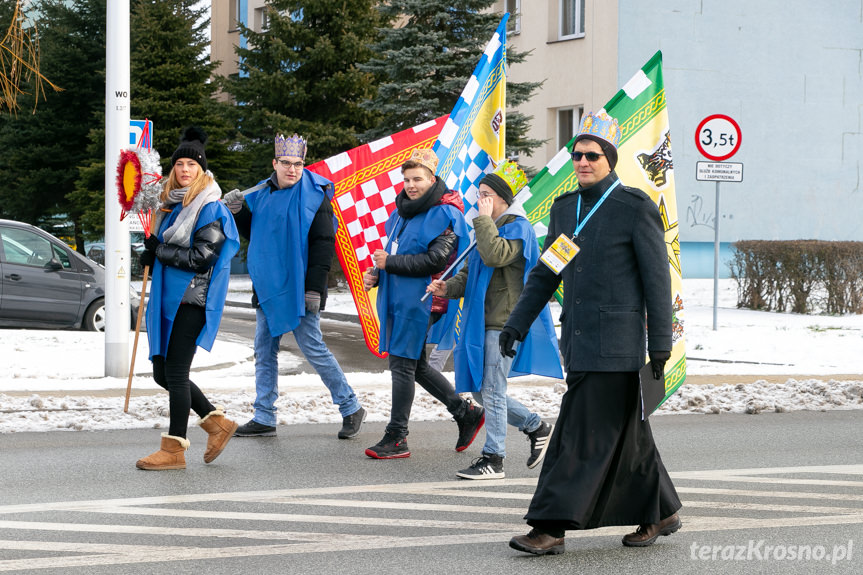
(262, 18)
(571, 19)
(567, 124)
(514, 9)
(233, 14)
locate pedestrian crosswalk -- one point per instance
(62, 535)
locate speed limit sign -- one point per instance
(717, 137)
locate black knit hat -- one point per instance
(191, 146)
(499, 185)
(608, 149)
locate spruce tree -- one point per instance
(40, 153)
(301, 75)
(170, 85)
(425, 61)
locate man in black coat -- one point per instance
(602, 467)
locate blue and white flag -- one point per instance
(472, 141)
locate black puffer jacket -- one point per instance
(206, 245)
(427, 263)
(435, 259)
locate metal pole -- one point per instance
(716, 257)
(117, 253)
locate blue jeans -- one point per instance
(310, 341)
(500, 408)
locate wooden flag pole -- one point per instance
(137, 332)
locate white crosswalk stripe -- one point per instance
(281, 522)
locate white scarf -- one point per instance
(180, 232)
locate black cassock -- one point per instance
(602, 466)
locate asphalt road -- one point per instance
(756, 489)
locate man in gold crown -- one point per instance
(602, 466)
(288, 220)
(491, 283)
(426, 228)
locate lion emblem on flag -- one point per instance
(657, 163)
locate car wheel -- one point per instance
(94, 317)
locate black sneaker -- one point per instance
(352, 423)
(390, 447)
(254, 429)
(539, 439)
(469, 425)
(485, 467)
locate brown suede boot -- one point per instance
(219, 430)
(170, 456)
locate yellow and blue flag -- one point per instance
(471, 144)
(473, 140)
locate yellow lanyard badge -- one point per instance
(564, 250)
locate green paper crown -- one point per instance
(514, 176)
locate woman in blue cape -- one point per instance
(190, 253)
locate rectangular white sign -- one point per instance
(134, 223)
(719, 172)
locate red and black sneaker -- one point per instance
(469, 425)
(390, 447)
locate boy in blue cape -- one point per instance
(288, 220)
(491, 283)
(422, 233)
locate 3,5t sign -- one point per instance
(717, 137)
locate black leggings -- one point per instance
(405, 372)
(172, 371)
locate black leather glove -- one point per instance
(147, 258)
(506, 341)
(657, 362)
(151, 242)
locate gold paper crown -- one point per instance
(510, 173)
(600, 125)
(293, 146)
(425, 157)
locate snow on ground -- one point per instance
(53, 379)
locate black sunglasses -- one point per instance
(591, 156)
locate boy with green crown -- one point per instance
(491, 283)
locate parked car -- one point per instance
(96, 252)
(44, 283)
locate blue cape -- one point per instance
(403, 317)
(279, 247)
(169, 283)
(537, 354)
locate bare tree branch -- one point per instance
(19, 64)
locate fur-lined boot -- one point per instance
(170, 456)
(219, 430)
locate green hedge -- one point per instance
(799, 276)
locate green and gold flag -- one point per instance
(644, 161)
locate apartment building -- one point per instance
(790, 72)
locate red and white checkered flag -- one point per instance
(367, 180)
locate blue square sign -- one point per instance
(141, 133)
